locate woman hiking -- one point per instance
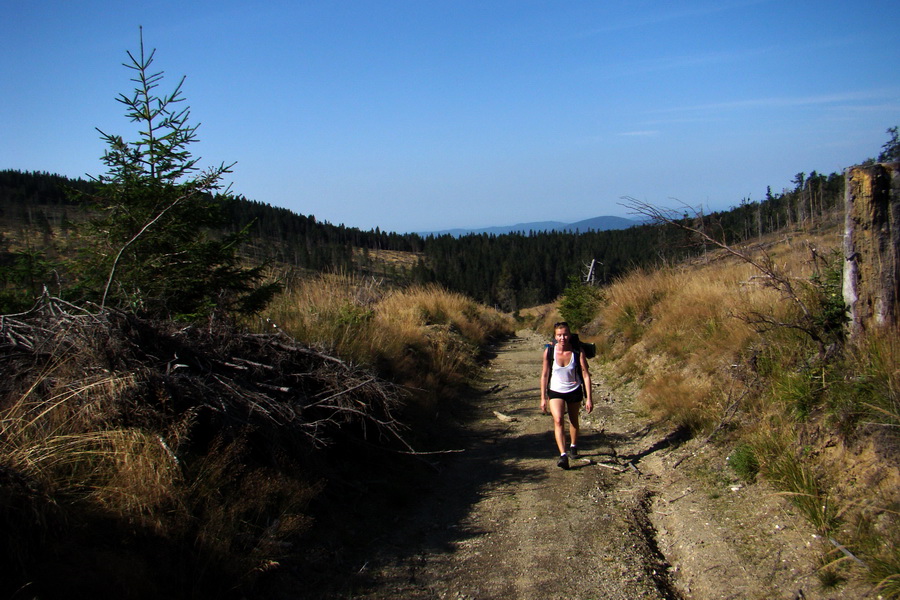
(565, 379)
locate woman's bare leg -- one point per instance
(574, 427)
(558, 410)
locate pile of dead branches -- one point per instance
(225, 378)
(197, 445)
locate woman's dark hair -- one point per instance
(560, 325)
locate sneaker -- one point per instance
(563, 462)
(573, 452)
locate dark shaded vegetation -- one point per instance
(132, 448)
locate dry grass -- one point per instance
(691, 325)
(423, 337)
(401, 260)
(822, 430)
(677, 329)
(681, 401)
(197, 446)
(78, 475)
(60, 443)
(110, 446)
(541, 318)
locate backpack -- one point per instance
(588, 348)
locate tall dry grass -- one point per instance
(73, 476)
(424, 336)
(710, 346)
(60, 443)
(678, 331)
(112, 442)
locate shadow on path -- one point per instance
(384, 512)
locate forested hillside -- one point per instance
(509, 271)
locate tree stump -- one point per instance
(872, 246)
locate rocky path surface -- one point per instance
(628, 521)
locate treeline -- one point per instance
(38, 201)
(514, 271)
(509, 271)
(284, 236)
(813, 200)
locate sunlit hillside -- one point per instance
(711, 346)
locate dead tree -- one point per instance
(591, 277)
(871, 284)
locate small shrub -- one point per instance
(579, 303)
(352, 315)
(831, 312)
(743, 462)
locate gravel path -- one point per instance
(630, 520)
(507, 523)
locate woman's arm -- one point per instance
(586, 376)
(545, 381)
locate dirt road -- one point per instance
(628, 521)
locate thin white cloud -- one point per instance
(670, 62)
(682, 120)
(785, 102)
(646, 133)
(885, 107)
(666, 63)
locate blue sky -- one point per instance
(415, 115)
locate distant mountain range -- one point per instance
(595, 224)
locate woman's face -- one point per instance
(563, 335)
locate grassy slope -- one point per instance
(823, 429)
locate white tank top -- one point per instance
(563, 379)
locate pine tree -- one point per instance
(890, 151)
(151, 250)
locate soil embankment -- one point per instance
(641, 514)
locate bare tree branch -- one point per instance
(773, 277)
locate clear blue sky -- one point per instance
(419, 115)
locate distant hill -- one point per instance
(595, 224)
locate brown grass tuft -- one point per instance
(683, 401)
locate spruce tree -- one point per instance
(151, 247)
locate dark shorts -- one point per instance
(569, 397)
